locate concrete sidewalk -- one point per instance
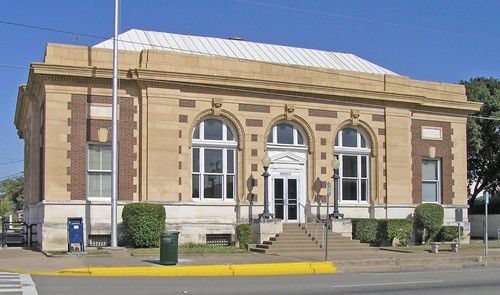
(120, 263)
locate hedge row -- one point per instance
(449, 233)
(244, 235)
(381, 232)
(143, 223)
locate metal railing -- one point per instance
(18, 234)
(317, 222)
(305, 215)
(14, 234)
(323, 231)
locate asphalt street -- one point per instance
(475, 280)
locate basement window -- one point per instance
(219, 239)
(99, 240)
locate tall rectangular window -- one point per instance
(98, 171)
(214, 161)
(431, 181)
(353, 177)
(353, 152)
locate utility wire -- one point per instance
(160, 46)
(372, 21)
(311, 69)
(6, 163)
(51, 30)
(314, 98)
(12, 175)
(156, 46)
(14, 66)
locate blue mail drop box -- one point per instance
(75, 233)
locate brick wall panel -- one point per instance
(420, 149)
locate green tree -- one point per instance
(5, 208)
(483, 137)
(12, 190)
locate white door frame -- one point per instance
(289, 164)
(286, 198)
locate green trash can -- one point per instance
(169, 244)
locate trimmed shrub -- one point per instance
(244, 235)
(365, 230)
(143, 223)
(429, 218)
(390, 229)
(448, 233)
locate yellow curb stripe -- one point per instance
(281, 268)
(172, 271)
(266, 269)
(323, 267)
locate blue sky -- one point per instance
(434, 40)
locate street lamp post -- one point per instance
(336, 214)
(266, 161)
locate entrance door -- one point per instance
(286, 198)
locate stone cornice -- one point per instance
(152, 78)
(78, 74)
(297, 90)
(21, 109)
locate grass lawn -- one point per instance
(88, 252)
(191, 248)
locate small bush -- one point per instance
(143, 223)
(429, 218)
(244, 235)
(365, 230)
(448, 233)
(390, 229)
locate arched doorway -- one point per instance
(287, 148)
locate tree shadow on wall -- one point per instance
(251, 197)
(317, 185)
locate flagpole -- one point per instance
(114, 168)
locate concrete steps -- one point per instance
(296, 239)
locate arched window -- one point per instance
(353, 152)
(285, 134)
(214, 161)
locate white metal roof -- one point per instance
(137, 40)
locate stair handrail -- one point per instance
(305, 215)
(316, 222)
(319, 222)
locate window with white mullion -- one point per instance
(214, 161)
(196, 179)
(98, 171)
(230, 173)
(353, 151)
(364, 184)
(349, 177)
(285, 134)
(431, 181)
